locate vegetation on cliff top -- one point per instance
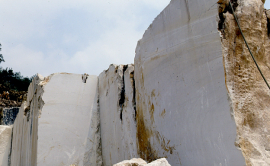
(13, 86)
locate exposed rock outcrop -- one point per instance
(193, 96)
(68, 130)
(183, 109)
(5, 144)
(25, 128)
(118, 112)
(247, 90)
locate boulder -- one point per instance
(141, 162)
(132, 162)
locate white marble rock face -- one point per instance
(5, 144)
(24, 134)
(183, 109)
(67, 130)
(117, 112)
(174, 105)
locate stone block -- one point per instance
(68, 129)
(5, 144)
(118, 116)
(182, 104)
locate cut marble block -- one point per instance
(5, 144)
(25, 127)
(183, 108)
(68, 125)
(117, 111)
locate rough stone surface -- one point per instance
(159, 162)
(117, 112)
(183, 109)
(5, 143)
(25, 128)
(141, 162)
(247, 90)
(9, 115)
(132, 162)
(68, 128)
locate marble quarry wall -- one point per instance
(24, 135)
(118, 114)
(193, 96)
(5, 144)
(183, 107)
(68, 122)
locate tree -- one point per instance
(1, 56)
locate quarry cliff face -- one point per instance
(24, 138)
(68, 125)
(193, 96)
(118, 114)
(247, 90)
(183, 109)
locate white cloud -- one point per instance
(73, 36)
(19, 57)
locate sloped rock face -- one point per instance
(247, 90)
(183, 109)
(118, 114)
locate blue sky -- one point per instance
(82, 36)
